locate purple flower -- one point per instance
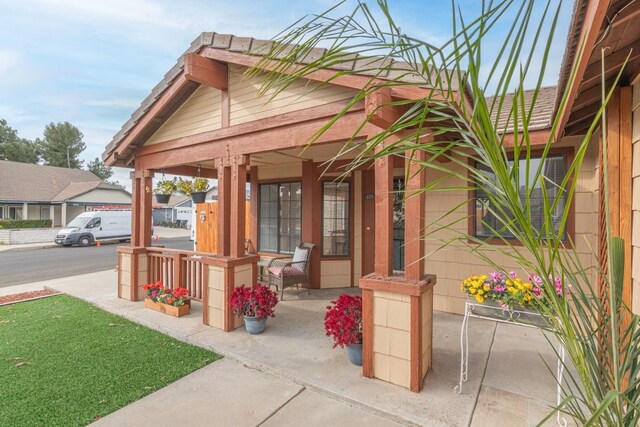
(496, 277)
(499, 288)
(513, 274)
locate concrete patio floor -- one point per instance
(508, 384)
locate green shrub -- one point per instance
(24, 223)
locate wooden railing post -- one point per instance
(177, 270)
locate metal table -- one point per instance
(492, 311)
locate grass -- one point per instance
(66, 362)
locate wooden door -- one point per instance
(206, 227)
(368, 221)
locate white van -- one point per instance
(89, 227)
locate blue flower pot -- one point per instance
(354, 351)
(255, 325)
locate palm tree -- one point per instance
(463, 126)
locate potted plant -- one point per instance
(200, 187)
(343, 322)
(256, 304)
(164, 189)
(174, 302)
(197, 188)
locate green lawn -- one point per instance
(65, 362)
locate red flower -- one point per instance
(170, 300)
(343, 320)
(258, 301)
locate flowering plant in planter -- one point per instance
(176, 297)
(257, 301)
(343, 320)
(509, 290)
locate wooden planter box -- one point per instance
(168, 309)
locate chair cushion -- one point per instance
(288, 271)
(300, 255)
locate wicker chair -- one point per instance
(285, 272)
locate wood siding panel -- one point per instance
(635, 208)
(247, 105)
(200, 113)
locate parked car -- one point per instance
(89, 227)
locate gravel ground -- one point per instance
(23, 296)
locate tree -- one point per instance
(465, 133)
(62, 145)
(99, 169)
(14, 148)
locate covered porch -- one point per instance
(294, 348)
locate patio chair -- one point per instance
(285, 272)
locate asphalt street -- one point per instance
(33, 265)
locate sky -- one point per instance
(91, 62)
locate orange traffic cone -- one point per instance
(98, 244)
(157, 238)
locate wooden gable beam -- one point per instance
(378, 107)
(593, 18)
(191, 171)
(187, 151)
(148, 119)
(612, 62)
(350, 81)
(206, 71)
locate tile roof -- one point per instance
(253, 47)
(75, 189)
(26, 182)
(543, 111)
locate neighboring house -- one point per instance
(179, 208)
(29, 191)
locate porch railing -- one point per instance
(176, 268)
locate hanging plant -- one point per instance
(164, 189)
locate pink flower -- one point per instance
(513, 274)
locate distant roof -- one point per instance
(26, 182)
(542, 113)
(76, 189)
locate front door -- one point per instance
(368, 222)
(398, 224)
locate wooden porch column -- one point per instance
(146, 200)
(253, 204)
(311, 221)
(414, 209)
(384, 216)
(224, 205)
(237, 198)
(135, 209)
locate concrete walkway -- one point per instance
(290, 374)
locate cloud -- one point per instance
(9, 59)
(133, 11)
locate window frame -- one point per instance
(259, 203)
(350, 206)
(568, 241)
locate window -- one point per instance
(554, 171)
(44, 212)
(335, 219)
(1, 212)
(280, 217)
(95, 223)
(15, 212)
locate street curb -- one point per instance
(19, 249)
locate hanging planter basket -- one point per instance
(163, 198)
(198, 196)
